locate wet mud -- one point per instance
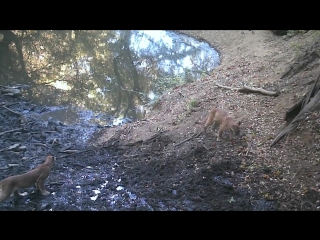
(147, 175)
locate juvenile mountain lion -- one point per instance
(37, 176)
(221, 117)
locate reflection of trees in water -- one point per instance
(11, 56)
(97, 69)
(165, 61)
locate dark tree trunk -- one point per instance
(309, 103)
(296, 108)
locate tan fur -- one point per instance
(221, 117)
(37, 176)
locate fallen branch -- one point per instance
(15, 147)
(70, 151)
(10, 131)
(246, 89)
(131, 156)
(155, 136)
(134, 143)
(41, 145)
(11, 104)
(12, 111)
(56, 183)
(69, 155)
(226, 87)
(195, 135)
(296, 173)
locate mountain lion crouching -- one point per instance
(221, 117)
(37, 176)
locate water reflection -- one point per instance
(106, 71)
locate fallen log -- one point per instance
(246, 89)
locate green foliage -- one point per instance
(291, 33)
(163, 84)
(194, 103)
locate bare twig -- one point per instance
(165, 112)
(131, 156)
(29, 138)
(195, 135)
(10, 131)
(155, 136)
(41, 145)
(226, 87)
(56, 183)
(12, 111)
(42, 110)
(11, 104)
(68, 155)
(296, 173)
(70, 151)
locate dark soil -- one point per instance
(141, 176)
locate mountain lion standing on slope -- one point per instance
(221, 117)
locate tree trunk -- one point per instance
(296, 108)
(307, 108)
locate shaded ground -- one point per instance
(161, 163)
(147, 175)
